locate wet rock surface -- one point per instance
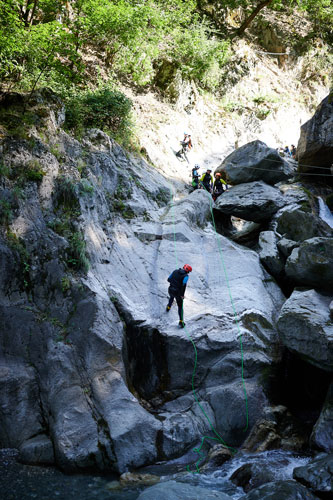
(172, 490)
(317, 475)
(322, 434)
(280, 490)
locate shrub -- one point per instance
(5, 212)
(77, 252)
(67, 192)
(102, 108)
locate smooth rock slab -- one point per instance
(255, 161)
(254, 201)
(305, 327)
(172, 490)
(311, 264)
(280, 490)
(322, 434)
(317, 475)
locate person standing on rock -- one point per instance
(195, 176)
(178, 280)
(219, 186)
(207, 180)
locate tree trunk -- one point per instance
(249, 20)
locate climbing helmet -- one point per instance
(187, 268)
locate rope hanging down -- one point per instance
(218, 437)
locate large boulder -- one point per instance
(322, 433)
(299, 225)
(252, 475)
(317, 475)
(254, 201)
(305, 327)
(173, 490)
(253, 162)
(280, 490)
(315, 145)
(311, 264)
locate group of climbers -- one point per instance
(214, 186)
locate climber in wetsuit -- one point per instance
(219, 186)
(178, 281)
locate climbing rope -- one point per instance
(218, 437)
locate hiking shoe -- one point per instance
(168, 308)
(181, 324)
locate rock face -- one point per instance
(322, 434)
(311, 264)
(172, 490)
(305, 327)
(315, 146)
(317, 475)
(298, 225)
(269, 253)
(253, 162)
(254, 201)
(280, 490)
(89, 361)
(251, 476)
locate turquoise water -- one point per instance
(25, 482)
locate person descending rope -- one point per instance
(219, 186)
(207, 180)
(186, 145)
(195, 176)
(178, 280)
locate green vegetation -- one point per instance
(31, 171)
(103, 108)
(18, 246)
(4, 170)
(67, 193)
(5, 212)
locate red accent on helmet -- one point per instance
(187, 268)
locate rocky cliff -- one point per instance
(94, 373)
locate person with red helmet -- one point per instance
(219, 186)
(178, 280)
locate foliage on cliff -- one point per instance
(54, 42)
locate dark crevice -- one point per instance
(300, 386)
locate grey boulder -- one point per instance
(255, 161)
(37, 450)
(315, 146)
(254, 201)
(322, 434)
(317, 475)
(280, 490)
(173, 490)
(299, 225)
(311, 264)
(305, 327)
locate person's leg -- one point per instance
(180, 308)
(171, 299)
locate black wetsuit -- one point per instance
(177, 280)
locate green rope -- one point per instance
(218, 437)
(233, 308)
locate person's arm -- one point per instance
(169, 279)
(185, 280)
